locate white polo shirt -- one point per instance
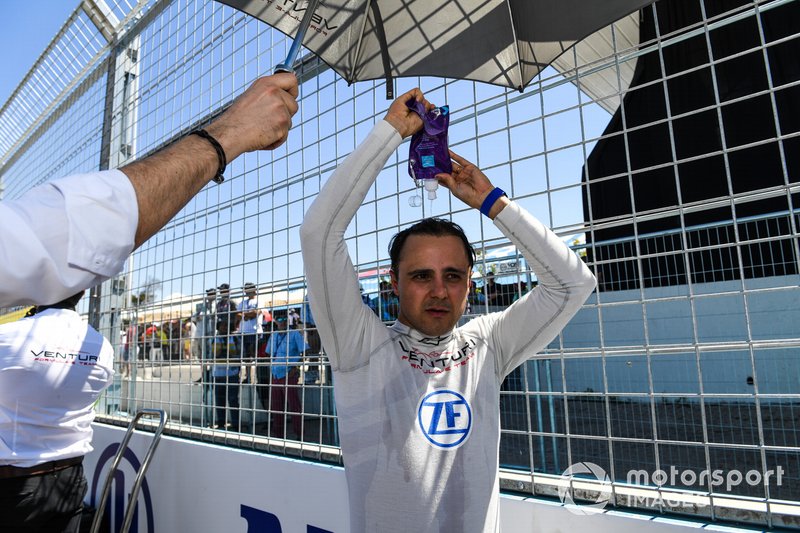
(53, 367)
(64, 236)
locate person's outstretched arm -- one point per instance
(72, 233)
(258, 119)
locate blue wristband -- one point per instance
(487, 204)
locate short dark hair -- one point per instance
(67, 303)
(435, 227)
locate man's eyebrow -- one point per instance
(447, 270)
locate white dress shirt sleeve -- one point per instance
(65, 236)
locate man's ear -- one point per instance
(394, 282)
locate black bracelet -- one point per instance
(223, 162)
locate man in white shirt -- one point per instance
(72, 233)
(293, 318)
(193, 340)
(53, 367)
(249, 326)
(418, 402)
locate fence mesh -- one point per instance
(669, 163)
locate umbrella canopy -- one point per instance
(502, 42)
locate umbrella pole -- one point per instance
(287, 65)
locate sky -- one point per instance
(26, 29)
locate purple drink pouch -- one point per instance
(428, 154)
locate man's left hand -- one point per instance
(470, 185)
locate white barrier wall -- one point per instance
(198, 487)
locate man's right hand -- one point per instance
(260, 118)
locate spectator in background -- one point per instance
(314, 345)
(206, 331)
(174, 336)
(293, 318)
(130, 348)
(385, 305)
(476, 301)
(364, 298)
(152, 339)
(285, 349)
(189, 338)
(491, 290)
(499, 295)
(204, 318)
(225, 374)
(266, 320)
(262, 366)
(196, 351)
(164, 332)
(248, 325)
(226, 309)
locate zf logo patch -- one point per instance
(445, 418)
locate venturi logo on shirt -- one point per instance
(445, 418)
(438, 362)
(65, 357)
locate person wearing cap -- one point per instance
(53, 367)
(72, 233)
(286, 349)
(226, 308)
(248, 325)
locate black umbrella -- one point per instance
(502, 42)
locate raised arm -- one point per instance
(333, 289)
(72, 233)
(471, 186)
(259, 119)
(528, 325)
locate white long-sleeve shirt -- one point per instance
(419, 417)
(65, 236)
(53, 367)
